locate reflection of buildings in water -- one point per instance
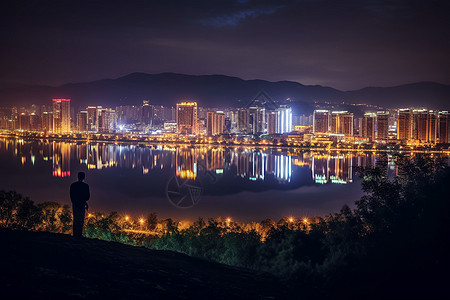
(101, 156)
(334, 169)
(256, 165)
(320, 169)
(341, 169)
(186, 162)
(61, 159)
(283, 169)
(214, 159)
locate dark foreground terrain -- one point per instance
(47, 265)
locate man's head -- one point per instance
(81, 176)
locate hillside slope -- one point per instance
(46, 265)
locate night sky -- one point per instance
(342, 44)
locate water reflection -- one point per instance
(187, 162)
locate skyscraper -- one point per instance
(215, 122)
(368, 126)
(147, 112)
(284, 119)
(271, 122)
(420, 125)
(382, 125)
(82, 121)
(342, 122)
(61, 115)
(321, 121)
(444, 127)
(187, 117)
(92, 118)
(433, 118)
(404, 125)
(243, 117)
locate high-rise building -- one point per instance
(220, 122)
(257, 119)
(404, 124)
(271, 122)
(444, 127)
(342, 122)
(35, 122)
(187, 117)
(92, 118)
(107, 120)
(368, 126)
(321, 120)
(433, 118)
(284, 119)
(243, 120)
(24, 121)
(82, 121)
(382, 125)
(61, 115)
(215, 122)
(420, 125)
(147, 112)
(47, 121)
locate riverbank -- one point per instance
(149, 140)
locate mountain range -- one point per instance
(222, 91)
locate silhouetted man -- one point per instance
(79, 194)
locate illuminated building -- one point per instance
(433, 126)
(147, 113)
(243, 120)
(35, 122)
(257, 119)
(382, 125)
(420, 125)
(24, 122)
(107, 120)
(170, 127)
(215, 122)
(404, 125)
(47, 121)
(368, 126)
(187, 117)
(284, 119)
(92, 112)
(61, 115)
(271, 122)
(82, 121)
(444, 127)
(321, 120)
(342, 123)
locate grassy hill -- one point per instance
(47, 265)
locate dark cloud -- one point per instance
(344, 44)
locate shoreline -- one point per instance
(145, 142)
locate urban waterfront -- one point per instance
(135, 179)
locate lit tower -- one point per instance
(187, 117)
(321, 119)
(284, 119)
(61, 115)
(420, 125)
(368, 130)
(404, 125)
(433, 126)
(444, 127)
(382, 125)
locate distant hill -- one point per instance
(221, 91)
